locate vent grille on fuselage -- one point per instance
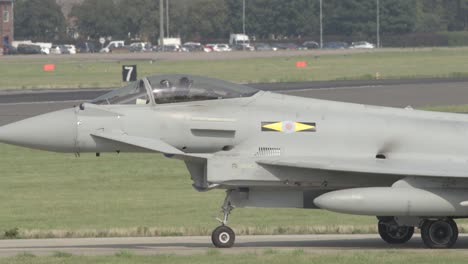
(268, 152)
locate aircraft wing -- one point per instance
(146, 143)
(427, 168)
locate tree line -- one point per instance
(201, 20)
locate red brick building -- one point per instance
(6, 22)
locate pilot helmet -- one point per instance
(165, 84)
(185, 82)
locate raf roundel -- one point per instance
(288, 127)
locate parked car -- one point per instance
(336, 45)
(63, 49)
(193, 46)
(172, 48)
(243, 47)
(45, 50)
(10, 50)
(115, 44)
(67, 49)
(221, 47)
(140, 47)
(86, 47)
(55, 49)
(264, 47)
(209, 47)
(29, 49)
(310, 45)
(71, 48)
(362, 45)
(237, 47)
(286, 46)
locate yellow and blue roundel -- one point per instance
(288, 126)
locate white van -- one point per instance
(115, 44)
(240, 42)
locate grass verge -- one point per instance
(266, 256)
(56, 195)
(71, 73)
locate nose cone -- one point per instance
(55, 131)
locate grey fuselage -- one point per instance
(224, 140)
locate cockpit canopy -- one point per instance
(174, 88)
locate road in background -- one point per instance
(17, 105)
(188, 56)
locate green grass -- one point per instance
(271, 257)
(58, 195)
(71, 73)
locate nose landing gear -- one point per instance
(223, 236)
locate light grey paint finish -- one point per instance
(223, 145)
(385, 201)
(197, 170)
(432, 183)
(378, 167)
(141, 142)
(54, 131)
(274, 197)
(280, 198)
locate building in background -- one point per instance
(6, 22)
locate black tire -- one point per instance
(394, 234)
(223, 237)
(439, 233)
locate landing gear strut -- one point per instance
(392, 233)
(223, 236)
(442, 233)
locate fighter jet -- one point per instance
(407, 167)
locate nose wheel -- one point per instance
(223, 236)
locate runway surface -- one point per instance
(17, 105)
(201, 244)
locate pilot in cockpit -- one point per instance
(185, 83)
(183, 88)
(168, 92)
(165, 84)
